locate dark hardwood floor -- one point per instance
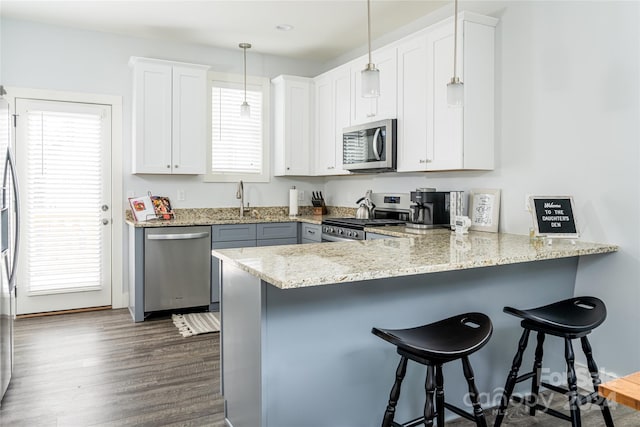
(101, 369)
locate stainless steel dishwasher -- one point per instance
(177, 267)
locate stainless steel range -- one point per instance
(390, 209)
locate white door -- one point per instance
(63, 157)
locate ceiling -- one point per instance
(323, 29)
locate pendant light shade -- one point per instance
(245, 108)
(370, 76)
(455, 88)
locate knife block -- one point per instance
(320, 210)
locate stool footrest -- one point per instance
(525, 377)
(413, 423)
(555, 388)
(542, 408)
(459, 411)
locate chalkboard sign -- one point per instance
(553, 216)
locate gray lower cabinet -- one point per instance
(310, 233)
(229, 236)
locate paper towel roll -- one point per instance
(293, 202)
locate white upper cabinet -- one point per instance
(332, 114)
(448, 138)
(169, 117)
(292, 125)
(365, 110)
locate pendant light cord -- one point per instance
(245, 73)
(455, 39)
(369, 28)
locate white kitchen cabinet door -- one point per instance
(189, 118)
(384, 106)
(152, 108)
(325, 135)
(431, 135)
(169, 117)
(462, 138)
(413, 105)
(333, 113)
(292, 125)
(342, 101)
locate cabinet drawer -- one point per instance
(232, 232)
(276, 242)
(311, 232)
(278, 230)
(234, 244)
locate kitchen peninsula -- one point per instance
(296, 320)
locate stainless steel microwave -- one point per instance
(370, 147)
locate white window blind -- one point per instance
(236, 142)
(63, 187)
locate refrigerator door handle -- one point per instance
(10, 162)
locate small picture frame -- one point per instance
(554, 217)
(484, 209)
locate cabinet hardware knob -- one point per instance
(288, 168)
(104, 208)
(176, 166)
(105, 221)
(168, 166)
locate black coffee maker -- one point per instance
(430, 208)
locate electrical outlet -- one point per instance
(300, 195)
(181, 195)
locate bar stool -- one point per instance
(569, 319)
(433, 345)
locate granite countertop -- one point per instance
(296, 266)
(215, 216)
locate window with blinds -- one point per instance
(239, 146)
(236, 142)
(63, 191)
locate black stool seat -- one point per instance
(570, 319)
(446, 339)
(570, 316)
(433, 345)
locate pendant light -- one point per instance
(455, 88)
(245, 108)
(370, 75)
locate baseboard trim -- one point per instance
(55, 313)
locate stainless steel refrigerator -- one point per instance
(9, 218)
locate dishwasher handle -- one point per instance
(180, 236)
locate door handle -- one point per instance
(374, 144)
(183, 236)
(104, 208)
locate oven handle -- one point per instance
(329, 238)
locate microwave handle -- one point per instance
(374, 144)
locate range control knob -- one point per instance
(348, 233)
(355, 235)
(340, 231)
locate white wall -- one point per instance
(55, 58)
(567, 122)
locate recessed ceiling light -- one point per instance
(284, 27)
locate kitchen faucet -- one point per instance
(240, 195)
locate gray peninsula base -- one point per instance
(306, 356)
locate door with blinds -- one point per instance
(63, 157)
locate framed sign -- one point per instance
(553, 216)
(484, 209)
